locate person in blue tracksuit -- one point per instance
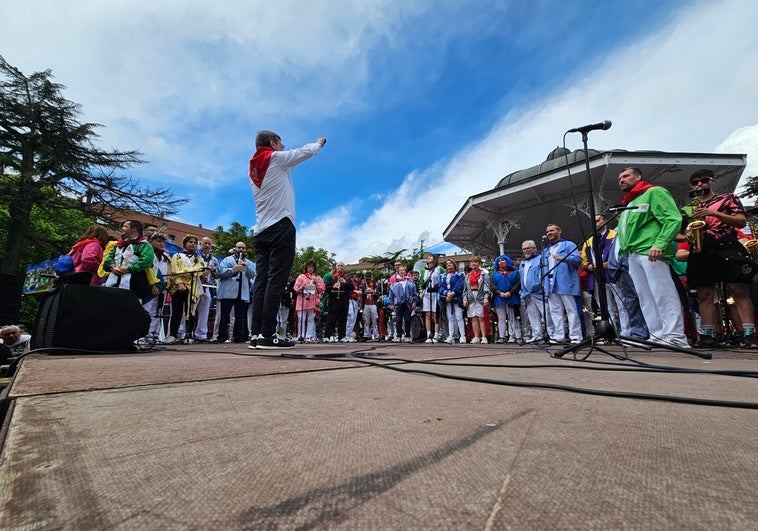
(506, 285)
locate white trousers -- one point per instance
(370, 321)
(455, 318)
(556, 305)
(156, 315)
(203, 308)
(616, 308)
(306, 324)
(535, 314)
(659, 300)
(506, 316)
(282, 319)
(352, 317)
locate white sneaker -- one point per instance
(396, 340)
(449, 340)
(429, 340)
(462, 340)
(408, 340)
(474, 340)
(170, 340)
(484, 341)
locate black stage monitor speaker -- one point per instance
(89, 318)
(10, 299)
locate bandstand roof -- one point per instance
(526, 201)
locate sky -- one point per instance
(423, 103)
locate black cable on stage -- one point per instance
(622, 367)
(580, 390)
(619, 367)
(537, 385)
(353, 356)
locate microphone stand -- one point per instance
(604, 330)
(543, 276)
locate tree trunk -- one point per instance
(20, 210)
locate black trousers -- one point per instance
(337, 316)
(275, 252)
(239, 333)
(179, 306)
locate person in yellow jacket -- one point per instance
(185, 287)
(101, 272)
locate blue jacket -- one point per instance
(509, 281)
(403, 292)
(564, 279)
(455, 285)
(529, 272)
(232, 284)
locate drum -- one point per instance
(418, 330)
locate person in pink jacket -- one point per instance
(309, 287)
(87, 253)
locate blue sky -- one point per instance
(423, 104)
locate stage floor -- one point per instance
(411, 437)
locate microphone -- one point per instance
(591, 127)
(544, 240)
(620, 208)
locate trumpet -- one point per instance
(696, 229)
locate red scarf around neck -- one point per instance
(474, 277)
(124, 242)
(259, 165)
(638, 189)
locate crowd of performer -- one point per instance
(549, 293)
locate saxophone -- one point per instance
(752, 245)
(696, 229)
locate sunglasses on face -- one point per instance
(704, 180)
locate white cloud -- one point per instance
(150, 70)
(686, 88)
(743, 140)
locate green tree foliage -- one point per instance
(51, 234)
(225, 239)
(49, 161)
(387, 260)
(750, 188)
(323, 258)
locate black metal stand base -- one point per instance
(704, 354)
(605, 334)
